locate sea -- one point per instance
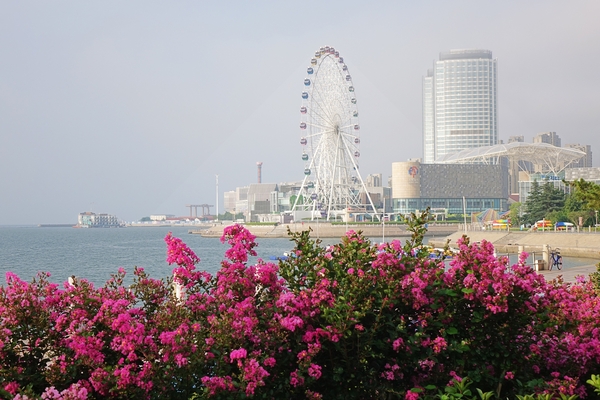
(96, 254)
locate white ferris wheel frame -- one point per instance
(332, 184)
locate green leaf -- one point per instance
(451, 331)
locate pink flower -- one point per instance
(238, 354)
(397, 344)
(439, 344)
(310, 395)
(295, 379)
(270, 362)
(455, 376)
(411, 395)
(12, 387)
(291, 323)
(315, 371)
(509, 375)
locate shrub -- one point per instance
(350, 321)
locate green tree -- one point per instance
(515, 214)
(588, 192)
(574, 203)
(553, 198)
(228, 216)
(543, 200)
(585, 199)
(533, 209)
(586, 216)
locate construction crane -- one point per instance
(205, 209)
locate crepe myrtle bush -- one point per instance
(355, 320)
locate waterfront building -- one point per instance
(459, 103)
(450, 187)
(92, 220)
(591, 174)
(260, 199)
(549, 159)
(229, 200)
(161, 217)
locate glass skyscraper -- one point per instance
(459, 103)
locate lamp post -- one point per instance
(465, 212)
(383, 222)
(596, 226)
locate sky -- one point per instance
(133, 108)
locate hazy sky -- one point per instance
(133, 107)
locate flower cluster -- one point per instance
(353, 320)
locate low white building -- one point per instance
(92, 220)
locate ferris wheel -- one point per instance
(330, 140)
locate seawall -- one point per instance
(571, 244)
(327, 230)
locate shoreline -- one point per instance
(571, 244)
(327, 230)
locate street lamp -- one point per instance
(596, 226)
(383, 222)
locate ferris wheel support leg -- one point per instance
(302, 187)
(364, 187)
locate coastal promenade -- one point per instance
(571, 244)
(328, 230)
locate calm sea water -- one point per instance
(95, 254)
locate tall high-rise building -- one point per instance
(547, 137)
(513, 139)
(459, 103)
(373, 180)
(584, 162)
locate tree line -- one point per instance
(579, 204)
